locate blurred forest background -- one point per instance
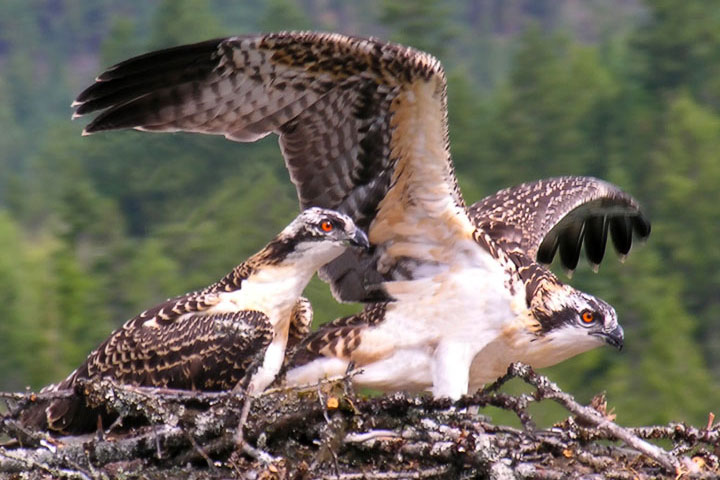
(95, 229)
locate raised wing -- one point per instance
(362, 127)
(191, 351)
(539, 218)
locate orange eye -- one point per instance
(326, 226)
(588, 317)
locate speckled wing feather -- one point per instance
(539, 218)
(362, 128)
(340, 337)
(187, 351)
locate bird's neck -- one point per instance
(270, 281)
(543, 290)
(273, 254)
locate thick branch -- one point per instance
(324, 431)
(548, 390)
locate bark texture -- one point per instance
(326, 432)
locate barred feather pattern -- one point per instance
(526, 225)
(539, 218)
(362, 125)
(218, 337)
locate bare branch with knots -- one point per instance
(324, 431)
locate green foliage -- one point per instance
(687, 171)
(282, 15)
(208, 240)
(14, 295)
(148, 276)
(549, 118)
(424, 24)
(678, 45)
(123, 41)
(94, 230)
(10, 145)
(53, 312)
(73, 298)
(183, 21)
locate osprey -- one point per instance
(362, 126)
(520, 310)
(230, 334)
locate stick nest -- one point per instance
(326, 432)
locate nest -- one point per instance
(326, 432)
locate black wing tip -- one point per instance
(157, 57)
(83, 96)
(95, 126)
(571, 242)
(622, 230)
(642, 226)
(546, 253)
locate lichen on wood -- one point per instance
(325, 431)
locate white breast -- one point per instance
(436, 327)
(272, 290)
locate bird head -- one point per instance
(573, 322)
(319, 235)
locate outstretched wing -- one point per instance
(539, 218)
(190, 351)
(362, 128)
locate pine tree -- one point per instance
(424, 24)
(280, 15)
(183, 21)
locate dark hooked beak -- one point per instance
(360, 239)
(613, 338)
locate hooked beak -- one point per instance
(614, 337)
(360, 239)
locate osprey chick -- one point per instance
(231, 333)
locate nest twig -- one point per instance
(324, 431)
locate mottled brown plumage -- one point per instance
(361, 123)
(217, 338)
(527, 224)
(300, 320)
(539, 218)
(340, 337)
(192, 352)
(514, 225)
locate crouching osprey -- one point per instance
(231, 333)
(465, 326)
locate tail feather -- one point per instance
(69, 415)
(62, 413)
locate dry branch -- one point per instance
(324, 431)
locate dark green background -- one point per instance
(95, 229)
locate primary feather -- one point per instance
(362, 126)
